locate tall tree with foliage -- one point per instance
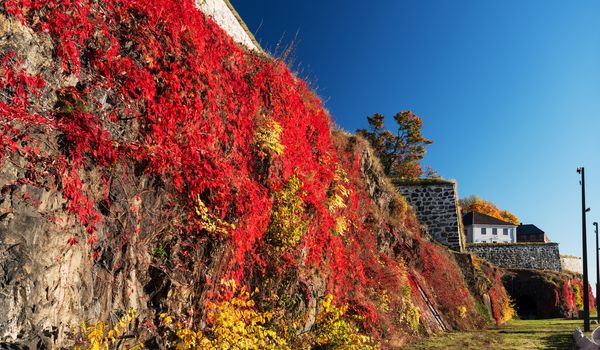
(483, 206)
(400, 153)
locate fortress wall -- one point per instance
(538, 256)
(436, 206)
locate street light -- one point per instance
(586, 293)
(597, 276)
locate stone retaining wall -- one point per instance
(436, 206)
(538, 256)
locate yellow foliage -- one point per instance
(268, 138)
(288, 222)
(339, 192)
(508, 310)
(337, 200)
(333, 331)
(578, 299)
(210, 221)
(100, 335)
(232, 324)
(236, 324)
(384, 300)
(341, 225)
(410, 313)
(476, 261)
(462, 311)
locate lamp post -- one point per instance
(597, 276)
(586, 296)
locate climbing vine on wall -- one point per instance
(242, 147)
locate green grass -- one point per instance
(517, 334)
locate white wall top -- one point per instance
(227, 18)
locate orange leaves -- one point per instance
(480, 205)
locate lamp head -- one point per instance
(588, 210)
(579, 170)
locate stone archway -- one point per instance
(526, 306)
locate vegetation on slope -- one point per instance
(187, 162)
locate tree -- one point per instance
(400, 154)
(480, 205)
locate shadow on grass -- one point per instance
(563, 341)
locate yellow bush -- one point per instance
(232, 324)
(236, 324)
(462, 311)
(268, 138)
(100, 335)
(341, 225)
(508, 310)
(339, 191)
(333, 331)
(210, 221)
(410, 314)
(578, 299)
(337, 200)
(288, 222)
(476, 261)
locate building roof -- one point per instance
(475, 218)
(529, 229)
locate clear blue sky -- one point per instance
(508, 90)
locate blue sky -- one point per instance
(509, 90)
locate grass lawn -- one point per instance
(517, 334)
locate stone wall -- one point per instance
(538, 256)
(572, 264)
(436, 205)
(227, 18)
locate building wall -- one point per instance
(571, 263)
(533, 238)
(227, 18)
(539, 256)
(475, 234)
(436, 206)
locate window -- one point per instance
(505, 231)
(483, 230)
(494, 231)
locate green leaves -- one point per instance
(400, 153)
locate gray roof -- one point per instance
(529, 229)
(475, 218)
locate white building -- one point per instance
(481, 228)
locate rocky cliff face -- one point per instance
(149, 163)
